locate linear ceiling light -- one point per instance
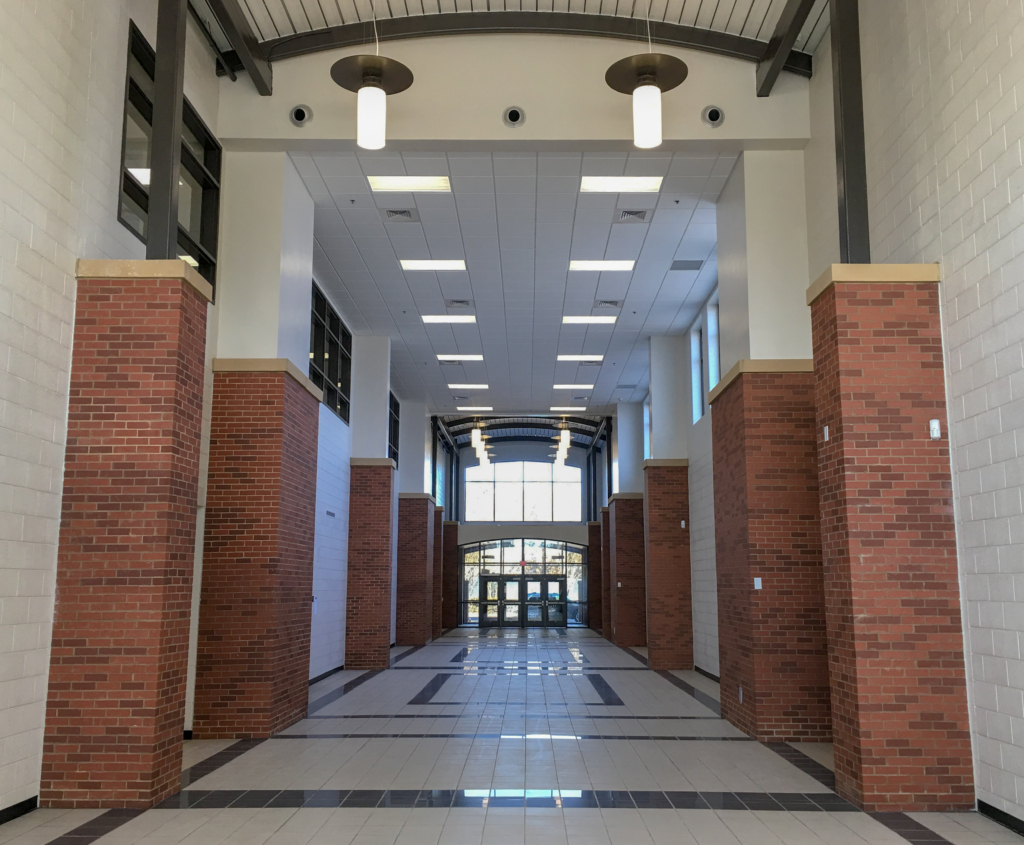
(603, 266)
(581, 357)
(411, 184)
(433, 264)
(450, 318)
(620, 184)
(474, 408)
(469, 387)
(455, 357)
(570, 386)
(600, 320)
(567, 408)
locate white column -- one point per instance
(628, 434)
(670, 400)
(762, 259)
(371, 387)
(414, 448)
(265, 261)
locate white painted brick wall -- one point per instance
(62, 71)
(944, 117)
(330, 553)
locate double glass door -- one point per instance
(522, 601)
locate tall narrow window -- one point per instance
(697, 371)
(393, 411)
(714, 350)
(330, 355)
(199, 181)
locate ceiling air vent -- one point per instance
(458, 303)
(686, 264)
(400, 215)
(606, 303)
(632, 216)
(588, 363)
(580, 398)
(625, 387)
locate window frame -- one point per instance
(320, 372)
(522, 482)
(200, 246)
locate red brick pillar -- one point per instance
(626, 570)
(772, 637)
(899, 698)
(415, 607)
(116, 700)
(667, 544)
(372, 521)
(606, 573)
(436, 626)
(594, 597)
(252, 663)
(451, 575)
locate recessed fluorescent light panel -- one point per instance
(475, 408)
(567, 408)
(581, 357)
(572, 386)
(620, 184)
(603, 266)
(417, 184)
(598, 320)
(468, 387)
(460, 357)
(432, 264)
(449, 318)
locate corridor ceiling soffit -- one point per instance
(517, 219)
(534, 428)
(738, 28)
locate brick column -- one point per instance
(627, 583)
(594, 582)
(372, 520)
(606, 574)
(772, 641)
(451, 576)
(116, 700)
(899, 699)
(252, 656)
(436, 626)
(667, 553)
(415, 607)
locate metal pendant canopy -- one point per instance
(667, 72)
(353, 72)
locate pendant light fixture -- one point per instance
(372, 78)
(646, 77)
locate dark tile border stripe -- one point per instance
(909, 829)
(405, 654)
(707, 674)
(491, 735)
(344, 689)
(16, 811)
(699, 695)
(95, 828)
(1001, 816)
(608, 695)
(826, 777)
(215, 761)
(325, 675)
(432, 688)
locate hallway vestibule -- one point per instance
(501, 736)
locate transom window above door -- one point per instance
(523, 491)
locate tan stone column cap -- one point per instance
(439, 508)
(136, 268)
(450, 522)
(760, 365)
(372, 462)
(893, 274)
(267, 365)
(604, 510)
(594, 523)
(415, 496)
(666, 462)
(616, 497)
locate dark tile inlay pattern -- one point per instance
(95, 828)
(607, 694)
(215, 761)
(432, 688)
(693, 692)
(405, 654)
(344, 689)
(804, 763)
(909, 829)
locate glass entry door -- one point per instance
(516, 601)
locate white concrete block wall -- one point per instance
(62, 72)
(944, 118)
(703, 578)
(330, 551)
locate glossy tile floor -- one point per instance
(506, 736)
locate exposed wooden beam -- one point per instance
(793, 18)
(250, 53)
